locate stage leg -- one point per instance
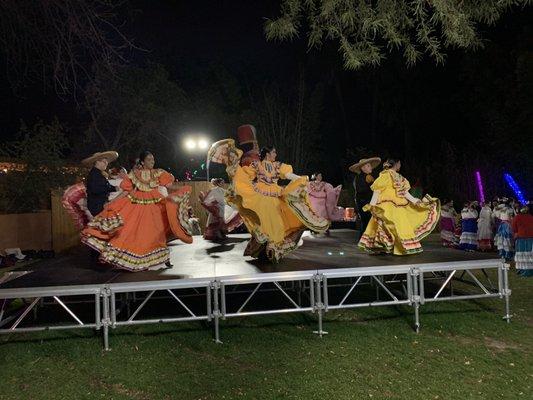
(106, 319)
(506, 292)
(415, 295)
(216, 310)
(319, 305)
(97, 311)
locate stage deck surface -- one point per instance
(204, 259)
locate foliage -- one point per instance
(289, 119)
(139, 109)
(500, 101)
(365, 30)
(40, 150)
(58, 43)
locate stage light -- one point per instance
(202, 144)
(516, 189)
(480, 187)
(195, 143)
(190, 144)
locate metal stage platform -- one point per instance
(213, 281)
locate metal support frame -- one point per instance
(316, 285)
(10, 322)
(110, 291)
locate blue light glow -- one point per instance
(516, 189)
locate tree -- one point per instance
(365, 30)
(59, 42)
(40, 150)
(138, 109)
(289, 119)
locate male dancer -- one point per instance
(362, 182)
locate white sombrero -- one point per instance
(373, 161)
(109, 155)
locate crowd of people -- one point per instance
(392, 220)
(503, 225)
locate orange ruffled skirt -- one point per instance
(132, 232)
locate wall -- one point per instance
(64, 233)
(32, 231)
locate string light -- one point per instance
(516, 189)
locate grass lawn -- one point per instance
(464, 351)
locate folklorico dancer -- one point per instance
(484, 228)
(75, 202)
(364, 178)
(504, 236)
(399, 220)
(96, 193)
(468, 239)
(448, 216)
(275, 216)
(523, 233)
(132, 231)
(324, 198)
(222, 218)
(98, 187)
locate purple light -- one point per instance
(480, 187)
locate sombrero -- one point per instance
(374, 161)
(110, 155)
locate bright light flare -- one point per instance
(190, 144)
(196, 143)
(203, 144)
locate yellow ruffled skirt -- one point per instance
(275, 216)
(398, 229)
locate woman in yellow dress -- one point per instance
(399, 221)
(275, 216)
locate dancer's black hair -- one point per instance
(265, 151)
(390, 162)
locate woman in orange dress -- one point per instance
(132, 231)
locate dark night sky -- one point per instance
(187, 36)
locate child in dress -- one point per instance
(484, 228)
(448, 216)
(522, 226)
(504, 236)
(468, 240)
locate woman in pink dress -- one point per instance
(323, 197)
